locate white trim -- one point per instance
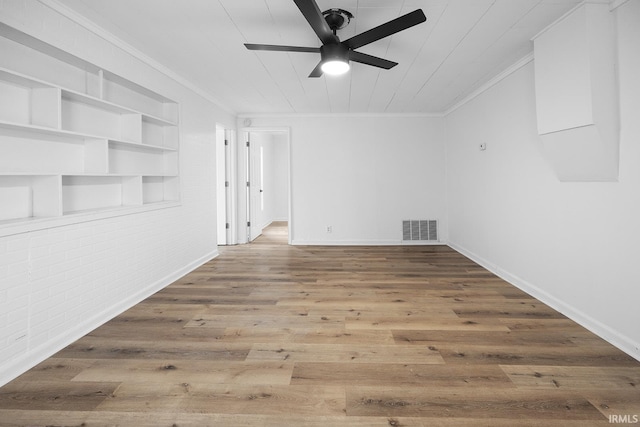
(614, 4)
(605, 332)
(390, 242)
(488, 85)
(34, 356)
(91, 26)
(578, 6)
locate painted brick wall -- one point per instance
(59, 283)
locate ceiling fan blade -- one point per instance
(317, 72)
(363, 58)
(394, 26)
(312, 13)
(278, 48)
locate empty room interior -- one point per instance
(319, 212)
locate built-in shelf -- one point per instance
(68, 156)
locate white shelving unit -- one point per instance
(69, 156)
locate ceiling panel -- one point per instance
(461, 46)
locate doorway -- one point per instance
(268, 180)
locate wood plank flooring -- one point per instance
(273, 335)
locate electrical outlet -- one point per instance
(329, 228)
(483, 146)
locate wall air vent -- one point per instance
(424, 230)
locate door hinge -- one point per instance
(226, 226)
(248, 144)
(248, 184)
(248, 223)
(226, 142)
(226, 183)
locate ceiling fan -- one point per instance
(335, 55)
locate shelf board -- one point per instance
(115, 108)
(100, 175)
(23, 225)
(157, 120)
(22, 80)
(33, 174)
(75, 136)
(50, 132)
(21, 221)
(96, 102)
(84, 174)
(120, 210)
(140, 145)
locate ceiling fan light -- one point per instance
(335, 67)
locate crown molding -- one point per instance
(488, 85)
(614, 4)
(126, 47)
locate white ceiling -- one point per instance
(461, 46)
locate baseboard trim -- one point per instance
(297, 242)
(34, 356)
(605, 332)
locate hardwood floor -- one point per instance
(274, 335)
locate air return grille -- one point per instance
(424, 229)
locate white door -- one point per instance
(255, 187)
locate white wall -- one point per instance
(574, 245)
(58, 284)
(363, 175)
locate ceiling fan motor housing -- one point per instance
(334, 52)
(337, 18)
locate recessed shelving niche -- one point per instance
(69, 156)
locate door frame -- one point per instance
(243, 232)
(228, 191)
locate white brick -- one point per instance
(39, 336)
(46, 239)
(66, 266)
(16, 292)
(19, 268)
(40, 273)
(15, 244)
(39, 252)
(39, 296)
(14, 348)
(78, 233)
(8, 258)
(57, 325)
(78, 252)
(17, 322)
(63, 246)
